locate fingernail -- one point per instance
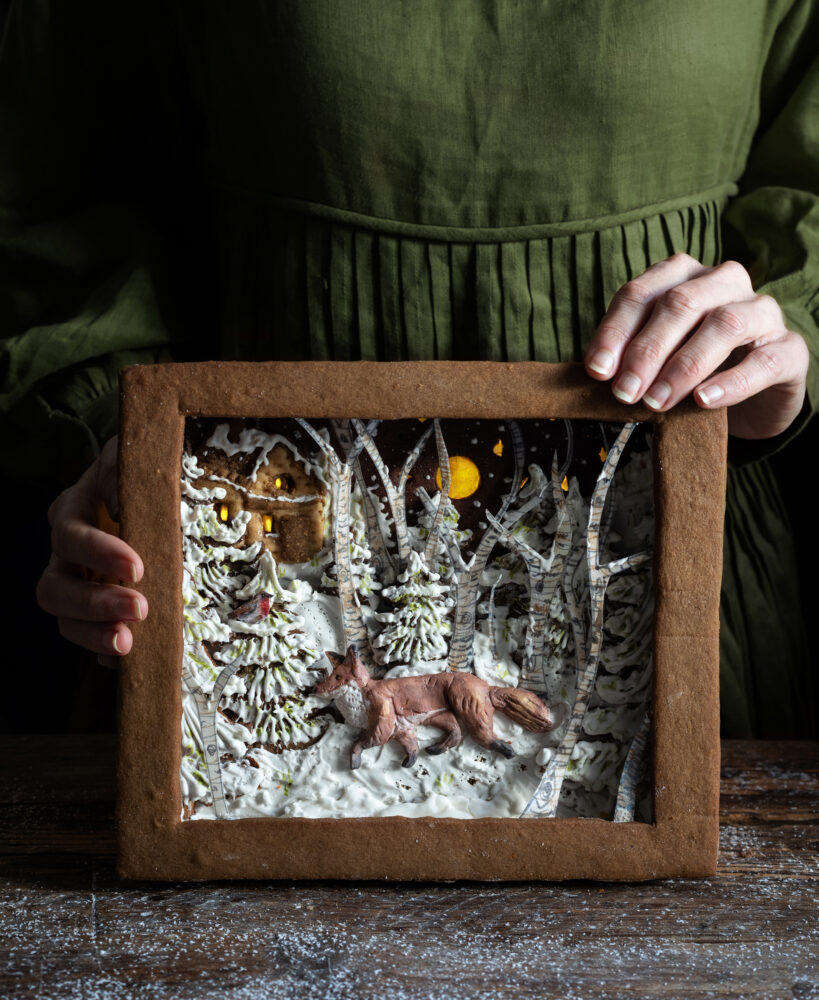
(657, 395)
(627, 387)
(134, 576)
(116, 643)
(602, 362)
(710, 394)
(137, 610)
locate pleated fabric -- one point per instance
(303, 287)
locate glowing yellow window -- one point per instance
(223, 512)
(268, 522)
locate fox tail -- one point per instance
(526, 709)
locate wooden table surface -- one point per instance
(70, 929)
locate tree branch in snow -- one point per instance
(634, 770)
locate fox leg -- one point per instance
(364, 742)
(381, 727)
(452, 733)
(406, 737)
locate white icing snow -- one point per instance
(281, 759)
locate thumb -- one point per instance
(107, 477)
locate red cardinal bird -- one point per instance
(255, 610)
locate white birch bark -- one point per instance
(545, 800)
(207, 706)
(395, 494)
(545, 573)
(355, 631)
(493, 639)
(634, 770)
(446, 482)
(461, 647)
(381, 560)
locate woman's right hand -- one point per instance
(93, 615)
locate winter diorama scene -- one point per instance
(446, 618)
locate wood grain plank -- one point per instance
(70, 929)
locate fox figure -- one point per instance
(390, 709)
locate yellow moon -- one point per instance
(465, 478)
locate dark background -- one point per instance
(51, 686)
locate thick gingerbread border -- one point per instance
(689, 485)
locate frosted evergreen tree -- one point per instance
(418, 624)
(214, 568)
(271, 656)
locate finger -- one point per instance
(106, 477)
(67, 596)
(777, 365)
(107, 639)
(630, 309)
(675, 314)
(75, 539)
(722, 331)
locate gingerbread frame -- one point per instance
(154, 843)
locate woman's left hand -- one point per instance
(682, 328)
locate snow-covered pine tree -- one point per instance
(272, 656)
(213, 569)
(418, 624)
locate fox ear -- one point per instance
(335, 658)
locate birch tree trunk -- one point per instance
(355, 631)
(461, 647)
(634, 770)
(545, 800)
(381, 560)
(395, 494)
(545, 573)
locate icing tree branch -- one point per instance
(381, 560)
(460, 650)
(545, 800)
(207, 706)
(459, 567)
(493, 639)
(446, 533)
(446, 482)
(545, 573)
(574, 606)
(355, 631)
(395, 494)
(634, 770)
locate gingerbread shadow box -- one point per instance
(434, 620)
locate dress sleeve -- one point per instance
(772, 226)
(81, 266)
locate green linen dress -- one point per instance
(390, 180)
